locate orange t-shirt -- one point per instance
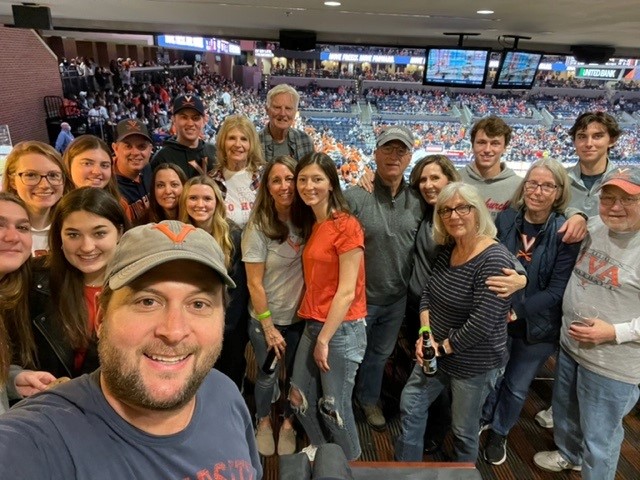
(321, 263)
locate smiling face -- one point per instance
(314, 189)
(168, 188)
(201, 205)
(189, 124)
(160, 337)
(392, 159)
(88, 243)
(432, 181)
(15, 237)
(487, 152)
(91, 168)
(132, 155)
(537, 201)
(43, 196)
(617, 217)
(460, 226)
(281, 184)
(592, 145)
(282, 111)
(236, 147)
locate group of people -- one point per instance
(476, 261)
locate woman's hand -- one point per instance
(275, 340)
(29, 382)
(321, 356)
(506, 285)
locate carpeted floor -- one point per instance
(525, 439)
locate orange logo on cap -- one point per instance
(175, 238)
(133, 125)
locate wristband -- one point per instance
(264, 315)
(424, 329)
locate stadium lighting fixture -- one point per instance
(484, 12)
(332, 4)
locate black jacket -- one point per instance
(178, 154)
(54, 354)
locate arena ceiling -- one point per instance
(554, 25)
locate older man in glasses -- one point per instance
(598, 366)
(390, 217)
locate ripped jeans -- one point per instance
(326, 412)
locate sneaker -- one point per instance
(286, 441)
(553, 462)
(264, 439)
(495, 451)
(310, 451)
(544, 418)
(375, 418)
(483, 426)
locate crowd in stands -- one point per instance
(298, 200)
(416, 102)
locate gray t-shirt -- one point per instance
(606, 276)
(283, 280)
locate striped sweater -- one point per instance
(463, 309)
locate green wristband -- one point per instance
(264, 315)
(424, 329)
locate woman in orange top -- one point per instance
(334, 306)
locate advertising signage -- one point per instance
(370, 58)
(198, 44)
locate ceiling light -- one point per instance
(332, 4)
(484, 12)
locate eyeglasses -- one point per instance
(389, 149)
(31, 178)
(547, 188)
(610, 200)
(461, 210)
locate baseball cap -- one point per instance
(131, 126)
(147, 246)
(627, 178)
(188, 101)
(395, 132)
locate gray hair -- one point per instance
(470, 195)
(281, 89)
(559, 176)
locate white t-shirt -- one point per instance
(240, 198)
(40, 244)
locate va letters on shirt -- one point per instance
(598, 268)
(230, 470)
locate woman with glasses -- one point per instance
(34, 172)
(529, 229)
(466, 323)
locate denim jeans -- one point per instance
(326, 412)
(467, 397)
(525, 359)
(588, 409)
(267, 390)
(383, 325)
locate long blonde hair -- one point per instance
(220, 230)
(255, 158)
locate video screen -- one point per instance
(456, 67)
(517, 69)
